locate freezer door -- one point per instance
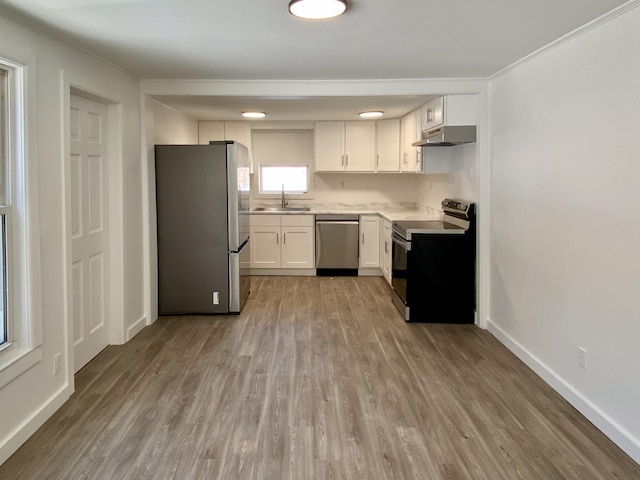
(192, 225)
(239, 278)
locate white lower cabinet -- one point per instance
(369, 241)
(282, 241)
(265, 246)
(386, 249)
(297, 247)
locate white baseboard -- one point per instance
(292, 272)
(136, 328)
(369, 272)
(30, 425)
(617, 434)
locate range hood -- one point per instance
(447, 136)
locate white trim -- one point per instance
(30, 425)
(483, 209)
(608, 426)
(136, 328)
(24, 302)
(149, 243)
(616, 12)
(16, 362)
(115, 176)
(370, 272)
(422, 86)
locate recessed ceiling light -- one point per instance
(371, 114)
(317, 9)
(253, 114)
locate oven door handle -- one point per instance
(397, 239)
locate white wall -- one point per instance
(172, 127)
(365, 188)
(565, 191)
(51, 67)
(461, 183)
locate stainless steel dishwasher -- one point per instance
(337, 244)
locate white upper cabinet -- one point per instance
(345, 146)
(410, 131)
(388, 145)
(450, 110)
(329, 146)
(236, 131)
(432, 114)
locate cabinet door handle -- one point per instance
(430, 115)
(363, 238)
(284, 238)
(377, 160)
(277, 238)
(386, 247)
(346, 160)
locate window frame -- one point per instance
(24, 321)
(9, 341)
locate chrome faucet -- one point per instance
(284, 203)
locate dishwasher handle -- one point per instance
(336, 222)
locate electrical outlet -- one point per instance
(57, 363)
(582, 358)
(216, 298)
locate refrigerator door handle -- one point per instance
(240, 247)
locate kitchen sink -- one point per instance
(281, 209)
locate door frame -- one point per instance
(115, 191)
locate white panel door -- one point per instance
(89, 228)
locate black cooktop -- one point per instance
(406, 228)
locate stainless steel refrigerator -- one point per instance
(202, 202)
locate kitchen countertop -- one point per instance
(390, 214)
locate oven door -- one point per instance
(401, 247)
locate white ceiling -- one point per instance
(258, 39)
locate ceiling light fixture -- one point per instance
(253, 114)
(375, 114)
(317, 9)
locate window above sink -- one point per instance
(292, 179)
(283, 157)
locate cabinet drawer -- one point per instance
(297, 220)
(266, 220)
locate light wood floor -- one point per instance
(318, 378)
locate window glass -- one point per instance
(292, 178)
